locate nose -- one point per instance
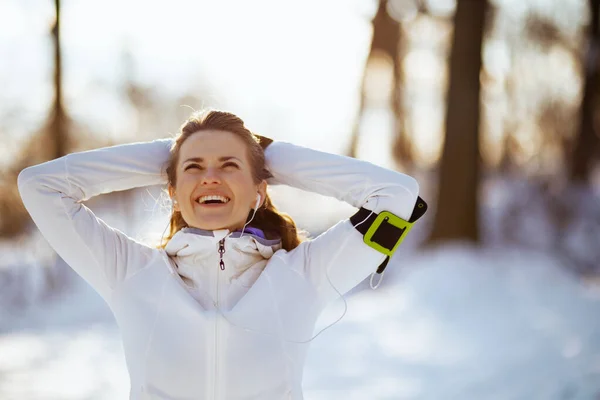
(211, 175)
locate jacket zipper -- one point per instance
(221, 252)
(222, 267)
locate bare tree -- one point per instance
(457, 205)
(58, 118)
(386, 41)
(50, 141)
(585, 149)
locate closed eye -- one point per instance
(192, 166)
(228, 164)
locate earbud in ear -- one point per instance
(257, 201)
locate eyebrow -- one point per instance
(200, 159)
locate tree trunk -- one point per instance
(586, 141)
(402, 151)
(386, 40)
(457, 206)
(57, 121)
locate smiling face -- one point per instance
(215, 163)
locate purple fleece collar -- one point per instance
(255, 231)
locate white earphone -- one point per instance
(257, 201)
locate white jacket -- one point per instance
(177, 345)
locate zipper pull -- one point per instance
(221, 252)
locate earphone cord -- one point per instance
(340, 248)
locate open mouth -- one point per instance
(213, 201)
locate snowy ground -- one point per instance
(454, 323)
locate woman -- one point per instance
(222, 309)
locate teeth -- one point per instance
(206, 198)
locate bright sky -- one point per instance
(290, 68)
(300, 61)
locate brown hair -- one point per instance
(274, 223)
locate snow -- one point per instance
(451, 322)
(469, 324)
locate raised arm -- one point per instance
(359, 183)
(52, 193)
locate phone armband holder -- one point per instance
(385, 231)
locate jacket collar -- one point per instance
(199, 243)
(196, 255)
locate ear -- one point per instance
(262, 190)
(173, 198)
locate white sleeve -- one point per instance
(341, 249)
(52, 193)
